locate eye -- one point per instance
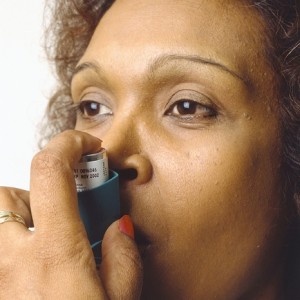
(88, 108)
(189, 109)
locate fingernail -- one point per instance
(126, 226)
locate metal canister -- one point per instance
(91, 171)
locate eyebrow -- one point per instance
(86, 66)
(162, 60)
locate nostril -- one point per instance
(128, 174)
(134, 168)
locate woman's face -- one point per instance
(182, 96)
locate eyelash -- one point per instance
(82, 107)
(184, 110)
(188, 110)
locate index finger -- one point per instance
(52, 187)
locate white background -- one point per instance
(25, 83)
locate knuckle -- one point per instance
(12, 199)
(70, 137)
(11, 193)
(73, 139)
(46, 162)
(4, 192)
(68, 132)
(16, 200)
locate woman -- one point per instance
(197, 105)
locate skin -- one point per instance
(201, 183)
(202, 186)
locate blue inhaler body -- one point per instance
(98, 197)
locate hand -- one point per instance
(55, 261)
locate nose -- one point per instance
(126, 152)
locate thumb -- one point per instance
(121, 267)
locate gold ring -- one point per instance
(10, 216)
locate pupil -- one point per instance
(92, 109)
(187, 108)
(89, 108)
(93, 106)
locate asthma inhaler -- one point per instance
(98, 197)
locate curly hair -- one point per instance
(283, 22)
(74, 21)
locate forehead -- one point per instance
(229, 30)
(219, 19)
(226, 31)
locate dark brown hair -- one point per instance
(72, 23)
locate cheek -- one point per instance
(220, 200)
(230, 176)
(219, 203)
